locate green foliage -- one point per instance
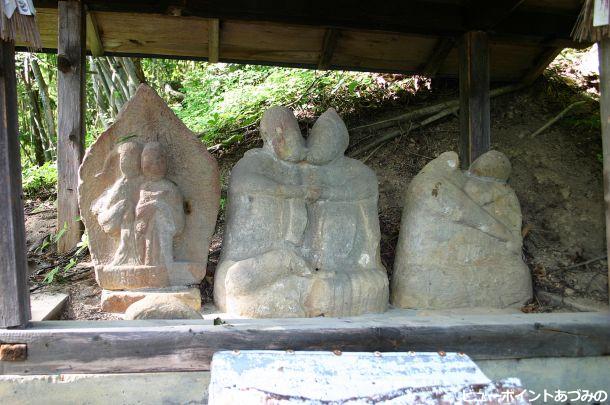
(215, 100)
(58, 272)
(221, 99)
(41, 179)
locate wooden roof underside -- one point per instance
(393, 36)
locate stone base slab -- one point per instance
(119, 301)
(136, 277)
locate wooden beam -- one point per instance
(151, 346)
(604, 105)
(93, 36)
(213, 40)
(71, 118)
(331, 36)
(427, 17)
(14, 293)
(475, 126)
(436, 59)
(542, 61)
(486, 15)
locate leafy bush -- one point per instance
(37, 180)
(220, 99)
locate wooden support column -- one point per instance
(604, 104)
(14, 293)
(71, 118)
(213, 40)
(475, 125)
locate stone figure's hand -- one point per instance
(145, 209)
(325, 193)
(299, 265)
(313, 193)
(291, 191)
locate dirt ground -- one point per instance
(557, 176)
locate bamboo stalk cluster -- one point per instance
(113, 80)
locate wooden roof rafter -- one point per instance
(410, 37)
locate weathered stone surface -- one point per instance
(119, 301)
(460, 238)
(149, 194)
(302, 232)
(161, 306)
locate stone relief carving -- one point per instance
(149, 195)
(460, 238)
(302, 232)
(142, 209)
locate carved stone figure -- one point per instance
(460, 238)
(159, 212)
(149, 195)
(302, 233)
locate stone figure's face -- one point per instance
(492, 164)
(129, 158)
(154, 164)
(282, 134)
(328, 139)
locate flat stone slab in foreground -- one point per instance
(311, 377)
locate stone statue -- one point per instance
(159, 212)
(149, 195)
(302, 233)
(460, 238)
(115, 208)
(142, 209)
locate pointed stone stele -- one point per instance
(149, 194)
(460, 243)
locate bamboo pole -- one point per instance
(46, 100)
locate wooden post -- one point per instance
(14, 293)
(71, 118)
(213, 40)
(475, 125)
(604, 104)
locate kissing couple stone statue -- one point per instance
(302, 233)
(149, 195)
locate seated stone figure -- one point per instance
(460, 238)
(283, 255)
(342, 238)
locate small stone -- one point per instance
(161, 307)
(119, 301)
